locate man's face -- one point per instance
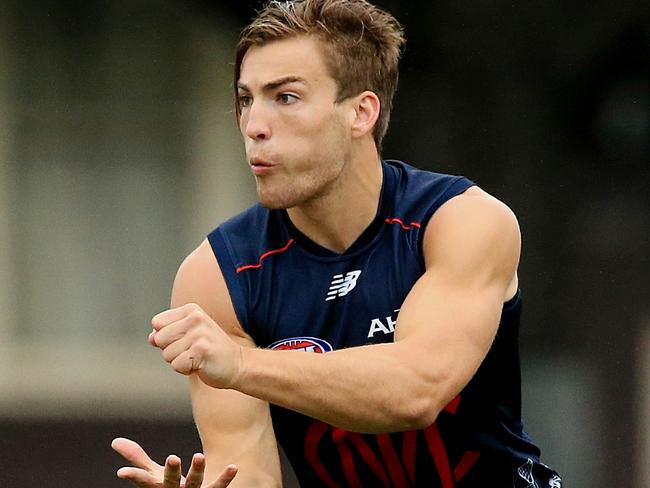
(297, 138)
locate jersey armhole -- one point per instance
(459, 185)
(234, 282)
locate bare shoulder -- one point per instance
(474, 211)
(199, 280)
(474, 231)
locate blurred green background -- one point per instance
(119, 153)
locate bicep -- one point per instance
(446, 333)
(450, 317)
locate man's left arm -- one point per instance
(444, 330)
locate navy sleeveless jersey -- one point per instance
(290, 293)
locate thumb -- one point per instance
(132, 452)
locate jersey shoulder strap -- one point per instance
(417, 194)
(244, 242)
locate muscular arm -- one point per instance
(444, 330)
(234, 427)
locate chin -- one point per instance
(272, 205)
(274, 201)
(290, 194)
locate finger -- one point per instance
(175, 349)
(133, 453)
(172, 315)
(140, 477)
(150, 338)
(172, 475)
(186, 363)
(195, 474)
(177, 330)
(226, 477)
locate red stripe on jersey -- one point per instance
(439, 455)
(368, 456)
(453, 405)
(404, 226)
(408, 452)
(395, 469)
(465, 463)
(263, 257)
(316, 431)
(338, 436)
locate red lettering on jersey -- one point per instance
(316, 431)
(439, 455)
(452, 406)
(339, 438)
(392, 462)
(408, 453)
(466, 462)
(389, 469)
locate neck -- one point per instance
(337, 218)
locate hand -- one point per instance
(194, 343)
(148, 474)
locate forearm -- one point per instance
(236, 429)
(255, 468)
(365, 389)
(258, 464)
(247, 477)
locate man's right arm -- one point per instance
(234, 428)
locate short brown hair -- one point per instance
(364, 44)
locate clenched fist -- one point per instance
(194, 343)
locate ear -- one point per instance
(366, 112)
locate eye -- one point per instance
(287, 99)
(244, 101)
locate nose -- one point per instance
(256, 122)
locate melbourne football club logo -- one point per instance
(307, 344)
(342, 285)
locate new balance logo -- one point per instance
(342, 285)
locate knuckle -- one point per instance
(194, 335)
(201, 346)
(195, 317)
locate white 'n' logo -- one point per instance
(342, 285)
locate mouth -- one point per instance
(261, 167)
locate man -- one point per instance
(295, 302)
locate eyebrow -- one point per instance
(272, 85)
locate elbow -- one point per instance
(421, 407)
(418, 412)
(418, 402)
(428, 397)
